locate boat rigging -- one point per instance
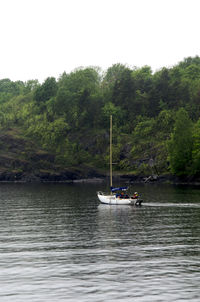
(117, 196)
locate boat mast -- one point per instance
(111, 151)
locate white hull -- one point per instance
(113, 200)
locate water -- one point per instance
(58, 244)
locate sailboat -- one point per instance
(117, 196)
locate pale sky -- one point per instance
(43, 38)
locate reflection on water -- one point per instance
(58, 244)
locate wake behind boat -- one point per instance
(117, 196)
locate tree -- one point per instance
(110, 109)
(180, 144)
(113, 74)
(47, 90)
(31, 85)
(196, 149)
(143, 78)
(6, 85)
(80, 79)
(78, 96)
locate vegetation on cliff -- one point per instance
(63, 124)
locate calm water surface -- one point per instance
(58, 244)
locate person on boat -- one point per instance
(122, 195)
(135, 195)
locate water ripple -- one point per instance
(57, 249)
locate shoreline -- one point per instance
(94, 177)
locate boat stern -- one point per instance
(137, 202)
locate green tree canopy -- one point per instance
(180, 144)
(47, 90)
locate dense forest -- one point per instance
(61, 126)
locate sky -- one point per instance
(44, 38)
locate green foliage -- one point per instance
(31, 85)
(153, 116)
(113, 74)
(12, 88)
(47, 90)
(50, 134)
(110, 109)
(196, 149)
(143, 78)
(80, 80)
(164, 123)
(180, 144)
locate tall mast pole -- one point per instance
(111, 150)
